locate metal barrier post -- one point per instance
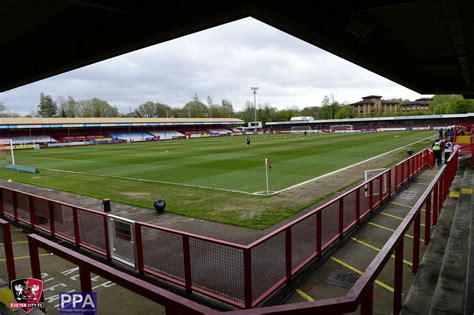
(51, 218)
(8, 247)
(318, 232)
(435, 204)
(341, 217)
(389, 184)
(248, 278)
(371, 195)
(34, 259)
(396, 177)
(139, 249)
(31, 210)
(398, 278)
(440, 192)
(188, 282)
(357, 205)
(15, 206)
(2, 207)
(288, 252)
(428, 219)
(77, 235)
(108, 252)
(367, 303)
(380, 188)
(416, 243)
(85, 277)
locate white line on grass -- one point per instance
(347, 167)
(233, 190)
(149, 181)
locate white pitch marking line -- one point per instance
(150, 181)
(232, 190)
(347, 167)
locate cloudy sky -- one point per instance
(223, 62)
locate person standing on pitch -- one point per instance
(437, 147)
(248, 143)
(448, 149)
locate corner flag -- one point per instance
(267, 167)
(267, 163)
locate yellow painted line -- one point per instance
(395, 217)
(466, 191)
(380, 283)
(388, 229)
(401, 205)
(454, 194)
(26, 257)
(304, 295)
(409, 263)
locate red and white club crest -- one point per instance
(27, 293)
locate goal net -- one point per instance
(6, 152)
(369, 174)
(341, 128)
(300, 129)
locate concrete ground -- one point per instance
(352, 259)
(60, 275)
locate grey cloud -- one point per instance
(222, 62)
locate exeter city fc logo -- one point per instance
(27, 293)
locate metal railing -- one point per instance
(361, 293)
(230, 272)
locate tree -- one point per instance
(4, 112)
(47, 107)
(195, 109)
(151, 110)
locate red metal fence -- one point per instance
(361, 294)
(230, 272)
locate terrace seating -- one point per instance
(133, 136)
(220, 132)
(30, 139)
(197, 134)
(167, 134)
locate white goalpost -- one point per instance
(6, 146)
(369, 174)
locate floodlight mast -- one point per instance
(255, 89)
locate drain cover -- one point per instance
(342, 278)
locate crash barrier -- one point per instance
(230, 272)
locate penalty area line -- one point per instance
(150, 181)
(347, 167)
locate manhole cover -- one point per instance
(342, 278)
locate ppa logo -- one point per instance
(77, 302)
(27, 293)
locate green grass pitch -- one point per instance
(211, 171)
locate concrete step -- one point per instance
(420, 295)
(469, 309)
(449, 297)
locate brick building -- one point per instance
(421, 104)
(374, 104)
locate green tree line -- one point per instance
(329, 108)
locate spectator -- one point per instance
(440, 131)
(448, 149)
(437, 147)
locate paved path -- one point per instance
(348, 262)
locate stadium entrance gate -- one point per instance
(122, 240)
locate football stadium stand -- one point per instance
(132, 136)
(167, 134)
(30, 139)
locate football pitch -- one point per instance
(213, 171)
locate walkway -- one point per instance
(335, 277)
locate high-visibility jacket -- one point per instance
(437, 146)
